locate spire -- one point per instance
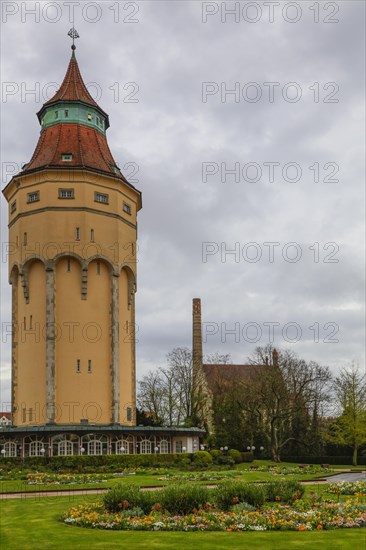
(72, 87)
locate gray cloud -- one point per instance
(170, 132)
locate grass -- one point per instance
(149, 480)
(33, 523)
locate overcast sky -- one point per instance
(163, 72)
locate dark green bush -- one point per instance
(182, 498)
(128, 497)
(235, 455)
(234, 492)
(286, 491)
(201, 458)
(99, 463)
(215, 453)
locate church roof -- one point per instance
(225, 374)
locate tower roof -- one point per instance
(73, 126)
(73, 87)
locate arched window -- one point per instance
(122, 447)
(145, 447)
(164, 446)
(95, 447)
(10, 448)
(65, 448)
(35, 448)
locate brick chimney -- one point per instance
(197, 342)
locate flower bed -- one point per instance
(300, 516)
(64, 479)
(348, 488)
(293, 470)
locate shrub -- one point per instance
(128, 497)
(225, 460)
(286, 491)
(182, 498)
(236, 455)
(215, 453)
(235, 492)
(242, 507)
(202, 458)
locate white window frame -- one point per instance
(145, 447)
(33, 197)
(66, 193)
(101, 198)
(64, 446)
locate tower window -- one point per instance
(89, 116)
(25, 323)
(78, 365)
(92, 235)
(129, 414)
(89, 365)
(31, 322)
(33, 197)
(126, 208)
(13, 207)
(24, 415)
(101, 197)
(77, 236)
(66, 157)
(65, 193)
(56, 114)
(68, 264)
(25, 238)
(66, 114)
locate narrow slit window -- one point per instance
(77, 236)
(56, 114)
(90, 116)
(92, 235)
(78, 365)
(13, 207)
(25, 323)
(24, 415)
(30, 412)
(89, 365)
(31, 321)
(25, 238)
(68, 264)
(66, 113)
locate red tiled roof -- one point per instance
(73, 87)
(221, 374)
(6, 415)
(89, 149)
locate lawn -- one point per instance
(33, 524)
(152, 480)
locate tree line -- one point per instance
(281, 404)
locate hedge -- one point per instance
(323, 459)
(83, 463)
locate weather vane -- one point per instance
(73, 33)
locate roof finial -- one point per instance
(73, 33)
